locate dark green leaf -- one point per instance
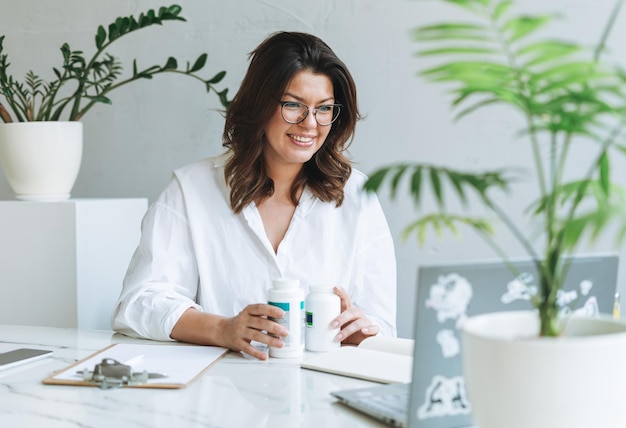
(143, 20)
(171, 13)
(374, 182)
(134, 25)
(416, 184)
(199, 64)
(456, 180)
(147, 73)
(395, 180)
(124, 25)
(101, 36)
(217, 78)
(99, 99)
(66, 51)
(113, 33)
(151, 18)
(174, 10)
(435, 182)
(171, 64)
(223, 96)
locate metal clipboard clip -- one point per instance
(112, 374)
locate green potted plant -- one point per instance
(567, 97)
(54, 108)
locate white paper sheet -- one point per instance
(181, 363)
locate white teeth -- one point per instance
(302, 139)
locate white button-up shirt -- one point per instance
(196, 252)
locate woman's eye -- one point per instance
(292, 105)
(325, 109)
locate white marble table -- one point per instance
(235, 392)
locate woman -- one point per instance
(283, 201)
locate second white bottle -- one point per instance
(322, 305)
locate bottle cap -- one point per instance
(285, 283)
(321, 288)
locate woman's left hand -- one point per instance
(355, 326)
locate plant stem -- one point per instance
(85, 109)
(607, 30)
(608, 142)
(525, 91)
(548, 316)
(516, 232)
(80, 89)
(4, 115)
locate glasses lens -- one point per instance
(327, 114)
(294, 112)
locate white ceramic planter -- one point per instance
(41, 160)
(515, 379)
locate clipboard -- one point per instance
(181, 364)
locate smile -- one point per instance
(302, 139)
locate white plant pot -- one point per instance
(515, 379)
(41, 160)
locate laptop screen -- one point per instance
(449, 293)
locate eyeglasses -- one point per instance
(294, 112)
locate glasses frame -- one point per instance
(309, 110)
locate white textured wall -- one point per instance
(156, 126)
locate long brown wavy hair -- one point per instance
(273, 64)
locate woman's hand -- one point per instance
(236, 333)
(252, 324)
(355, 326)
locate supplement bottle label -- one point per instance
(297, 313)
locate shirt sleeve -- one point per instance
(375, 275)
(162, 279)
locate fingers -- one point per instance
(355, 326)
(252, 324)
(262, 309)
(344, 296)
(255, 352)
(355, 332)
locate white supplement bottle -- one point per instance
(287, 295)
(322, 306)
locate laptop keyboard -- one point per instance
(386, 403)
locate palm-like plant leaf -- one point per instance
(440, 222)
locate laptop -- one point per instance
(446, 295)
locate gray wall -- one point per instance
(156, 126)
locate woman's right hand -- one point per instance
(252, 324)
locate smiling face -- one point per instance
(291, 145)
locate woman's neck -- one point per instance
(283, 178)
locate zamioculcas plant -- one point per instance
(81, 83)
(567, 97)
